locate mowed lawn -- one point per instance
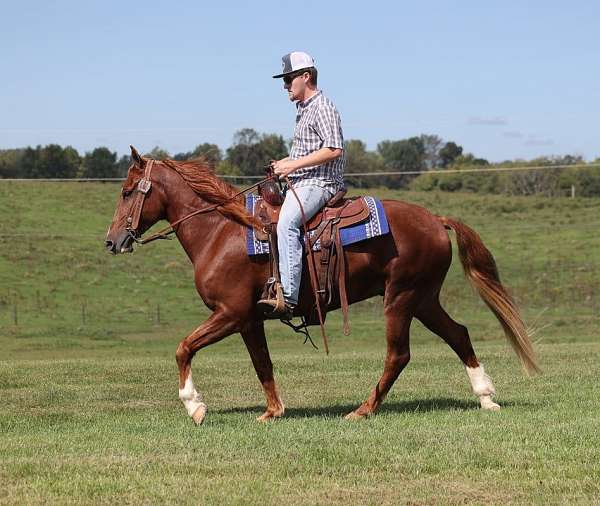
(88, 383)
(105, 426)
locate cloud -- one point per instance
(531, 139)
(494, 121)
(534, 141)
(513, 134)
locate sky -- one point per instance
(505, 80)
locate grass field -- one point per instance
(88, 381)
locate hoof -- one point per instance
(199, 414)
(488, 404)
(270, 415)
(354, 415)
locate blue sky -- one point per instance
(504, 79)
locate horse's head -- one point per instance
(138, 208)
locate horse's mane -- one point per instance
(200, 177)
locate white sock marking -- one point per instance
(482, 387)
(191, 399)
(481, 383)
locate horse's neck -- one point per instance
(197, 233)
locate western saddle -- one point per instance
(328, 274)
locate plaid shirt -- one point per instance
(318, 126)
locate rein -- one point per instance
(143, 187)
(312, 268)
(145, 184)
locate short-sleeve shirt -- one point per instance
(318, 126)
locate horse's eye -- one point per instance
(126, 193)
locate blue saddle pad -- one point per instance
(374, 226)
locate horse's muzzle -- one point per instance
(122, 244)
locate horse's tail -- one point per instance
(481, 271)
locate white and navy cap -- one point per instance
(296, 60)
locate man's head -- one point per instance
(299, 75)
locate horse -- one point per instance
(407, 267)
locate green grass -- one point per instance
(55, 273)
(106, 426)
(90, 413)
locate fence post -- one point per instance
(158, 314)
(572, 191)
(15, 312)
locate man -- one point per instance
(315, 168)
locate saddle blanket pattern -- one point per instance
(376, 225)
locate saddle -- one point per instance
(328, 274)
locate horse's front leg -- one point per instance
(218, 326)
(256, 342)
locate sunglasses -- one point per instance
(290, 77)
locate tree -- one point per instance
(449, 153)
(358, 159)
(51, 161)
(210, 152)
(182, 157)
(251, 151)
(406, 155)
(122, 166)
(10, 162)
(100, 163)
(469, 159)
(157, 153)
(226, 168)
(431, 146)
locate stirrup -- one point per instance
(273, 305)
(286, 314)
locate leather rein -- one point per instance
(145, 184)
(143, 187)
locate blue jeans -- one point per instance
(313, 198)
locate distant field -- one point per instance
(88, 381)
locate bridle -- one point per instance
(141, 190)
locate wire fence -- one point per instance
(367, 175)
(541, 278)
(103, 304)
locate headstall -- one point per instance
(142, 188)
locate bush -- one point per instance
(586, 181)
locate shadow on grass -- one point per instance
(412, 406)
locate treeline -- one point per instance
(251, 151)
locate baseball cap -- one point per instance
(296, 60)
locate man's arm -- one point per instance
(285, 166)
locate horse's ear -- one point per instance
(136, 158)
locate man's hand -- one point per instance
(283, 167)
(286, 166)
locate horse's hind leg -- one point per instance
(256, 342)
(433, 316)
(398, 320)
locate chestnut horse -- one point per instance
(406, 266)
